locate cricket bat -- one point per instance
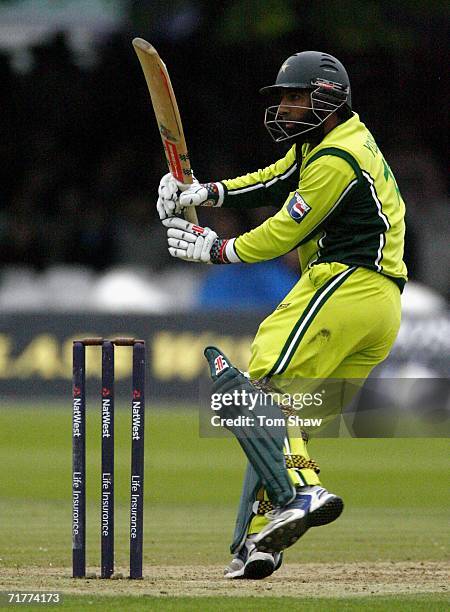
(167, 116)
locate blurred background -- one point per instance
(81, 156)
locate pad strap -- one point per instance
(292, 461)
(297, 461)
(264, 507)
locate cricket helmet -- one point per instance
(324, 76)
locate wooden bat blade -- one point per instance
(140, 43)
(167, 115)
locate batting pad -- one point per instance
(257, 423)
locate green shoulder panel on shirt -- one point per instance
(337, 153)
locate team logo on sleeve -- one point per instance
(297, 207)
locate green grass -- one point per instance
(434, 603)
(396, 504)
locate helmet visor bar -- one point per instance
(323, 104)
(277, 126)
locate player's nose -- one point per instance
(283, 109)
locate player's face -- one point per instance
(294, 117)
(295, 106)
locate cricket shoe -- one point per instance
(313, 506)
(252, 564)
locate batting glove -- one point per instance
(169, 191)
(203, 194)
(189, 242)
(201, 244)
(167, 196)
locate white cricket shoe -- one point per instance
(313, 506)
(252, 564)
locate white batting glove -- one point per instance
(202, 194)
(188, 241)
(169, 191)
(167, 196)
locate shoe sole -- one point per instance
(258, 569)
(327, 513)
(286, 535)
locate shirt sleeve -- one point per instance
(266, 187)
(322, 188)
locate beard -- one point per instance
(312, 136)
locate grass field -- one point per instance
(388, 551)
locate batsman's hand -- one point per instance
(202, 194)
(174, 196)
(169, 191)
(189, 242)
(168, 196)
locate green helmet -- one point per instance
(319, 72)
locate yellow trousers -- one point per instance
(338, 322)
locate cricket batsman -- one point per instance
(339, 206)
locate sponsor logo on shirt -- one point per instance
(297, 207)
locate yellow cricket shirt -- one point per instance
(341, 204)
